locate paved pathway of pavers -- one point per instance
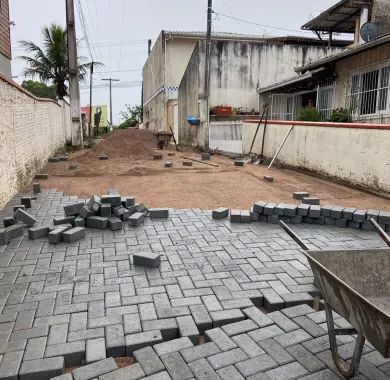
(72, 304)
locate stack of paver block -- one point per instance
(309, 211)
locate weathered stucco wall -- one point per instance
(236, 70)
(354, 153)
(31, 129)
(362, 61)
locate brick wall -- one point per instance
(5, 42)
(31, 129)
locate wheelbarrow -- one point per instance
(163, 138)
(356, 285)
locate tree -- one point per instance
(40, 89)
(50, 63)
(131, 116)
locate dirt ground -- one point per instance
(132, 170)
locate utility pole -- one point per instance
(74, 90)
(206, 108)
(111, 80)
(90, 99)
(208, 49)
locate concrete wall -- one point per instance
(237, 69)
(5, 40)
(31, 129)
(5, 66)
(355, 153)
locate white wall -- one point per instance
(31, 129)
(355, 154)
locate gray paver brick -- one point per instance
(132, 372)
(168, 327)
(187, 327)
(35, 348)
(73, 353)
(115, 340)
(148, 360)
(222, 317)
(137, 341)
(201, 317)
(95, 369)
(176, 366)
(292, 338)
(9, 365)
(226, 358)
(257, 316)
(278, 353)
(248, 345)
(203, 370)
(230, 372)
(41, 368)
(257, 364)
(306, 358)
(198, 352)
(172, 345)
(265, 333)
(287, 372)
(219, 337)
(95, 350)
(239, 327)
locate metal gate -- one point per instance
(226, 136)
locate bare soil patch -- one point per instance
(132, 170)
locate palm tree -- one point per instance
(50, 63)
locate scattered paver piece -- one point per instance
(14, 231)
(205, 157)
(147, 259)
(311, 201)
(98, 222)
(41, 176)
(157, 156)
(79, 221)
(86, 212)
(24, 217)
(220, 213)
(245, 216)
(168, 164)
(112, 199)
(159, 213)
(55, 236)
(26, 202)
(114, 223)
(103, 157)
(300, 195)
(94, 203)
(9, 221)
(136, 219)
(73, 167)
(238, 162)
(59, 220)
(17, 207)
(137, 341)
(38, 232)
(74, 234)
(187, 163)
(36, 188)
(268, 178)
(53, 159)
(235, 216)
(73, 209)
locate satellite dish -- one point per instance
(369, 31)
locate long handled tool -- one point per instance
(380, 231)
(257, 131)
(174, 139)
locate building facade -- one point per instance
(356, 80)
(237, 69)
(5, 40)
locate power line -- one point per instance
(261, 25)
(85, 28)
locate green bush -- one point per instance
(309, 114)
(341, 115)
(129, 123)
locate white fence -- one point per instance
(226, 136)
(31, 130)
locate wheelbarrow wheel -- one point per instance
(347, 370)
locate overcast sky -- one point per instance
(119, 30)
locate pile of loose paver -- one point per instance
(246, 288)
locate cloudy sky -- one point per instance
(119, 30)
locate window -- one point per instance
(369, 92)
(325, 97)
